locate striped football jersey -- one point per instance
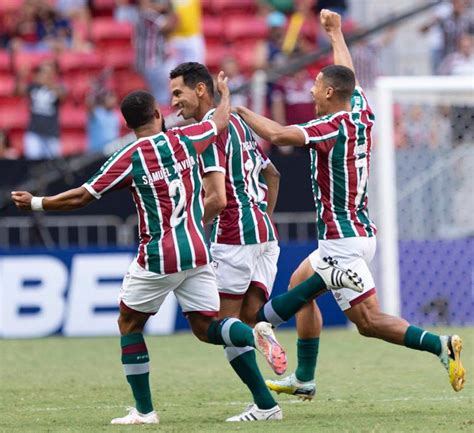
(236, 153)
(163, 175)
(340, 146)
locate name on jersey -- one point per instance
(249, 145)
(165, 172)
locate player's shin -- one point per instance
(244, 363)
(281, 308)
(136, 365)
(230, 332)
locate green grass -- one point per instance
(77, 385)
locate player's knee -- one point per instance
(365, 325)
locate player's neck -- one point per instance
(335, 108)
(203, 110)
(147, 131)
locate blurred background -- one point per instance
(66, 64)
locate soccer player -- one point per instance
(162, 172)
(340, 142)
(241, 188)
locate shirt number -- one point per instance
(176, 187)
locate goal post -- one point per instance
(424, 138)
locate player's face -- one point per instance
(183, 98)
(318, 93)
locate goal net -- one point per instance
(423, 199)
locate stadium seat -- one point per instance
(73, 142)
(224, 7)
(213, 28)
(30, 60)
(127, 81)
(16, 137)
(7, 86)
(4, 60)
(119, 58)
(8, 6)
(245, 55)
(72, 116)
(104, 29)
(14, 113)
(241, 27)
(214, 56)
(72, 61)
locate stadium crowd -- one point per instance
(64, 64)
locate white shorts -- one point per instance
(353, 253)
(239, 266)
(195, 289)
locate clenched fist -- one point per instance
(22, 199)
(331, 21)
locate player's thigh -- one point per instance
(254, 299)
(354, 254)
(230, 306)
(198, 292)
(145, 291)
(265, 267)
(234, 266)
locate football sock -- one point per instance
(419, 339)
(244, 363)
(283, 307)
(136, 365)
(307, 350)
(230, 332)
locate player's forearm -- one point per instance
(213, 206)
(69, 200)
(341, 53)
(263, 127)
(272, 179)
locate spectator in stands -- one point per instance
(269, 51)
(45, 94)
(103, 124)
(24, 35)
(78, 13)
(156, 20)
(126, 11)
(187, 41)
(461, 62)
(231, 70)
(452, 24)
(6, 150)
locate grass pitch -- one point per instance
(77, 385)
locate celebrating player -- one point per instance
(340, 144)
(162, 172)
(241, 188)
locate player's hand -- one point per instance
(330, 21)
(22, 199)
(222, 86)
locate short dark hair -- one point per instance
(341, 78)
(138, 108)
(194, 73)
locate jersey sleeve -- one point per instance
(213, 158)
(115, 173)
(201, 134)
(319, 130)
(359, 101)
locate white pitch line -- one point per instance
(243, 403)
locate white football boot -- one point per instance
(134, 417)
(253, 413)
(337, 277)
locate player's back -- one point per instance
(244, 220)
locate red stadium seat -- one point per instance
(127, 81)
(245, 55)
(214, 56)
(16, 137)
(7, 85)
(4, 60)
(14, 113)
(7, 6)
(73, 142)
(240, 28)
(72, 61)
(228, 6)
(22, 60)
(73, 116)
(119, 58)
(109, 29)
(213, 28)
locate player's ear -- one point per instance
(200, 89)
(329, 92)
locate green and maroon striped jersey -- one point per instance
(236, 153)
(163, 175)
(340, 146)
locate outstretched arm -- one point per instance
(68, 200)
(222, 114)
(272, 131)
(331, 22)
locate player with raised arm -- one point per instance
(161, 170)
(241, 188)
(339, 141)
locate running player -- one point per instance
(162, 172)
(340, 142)
(241, 188)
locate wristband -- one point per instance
(37, 203)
